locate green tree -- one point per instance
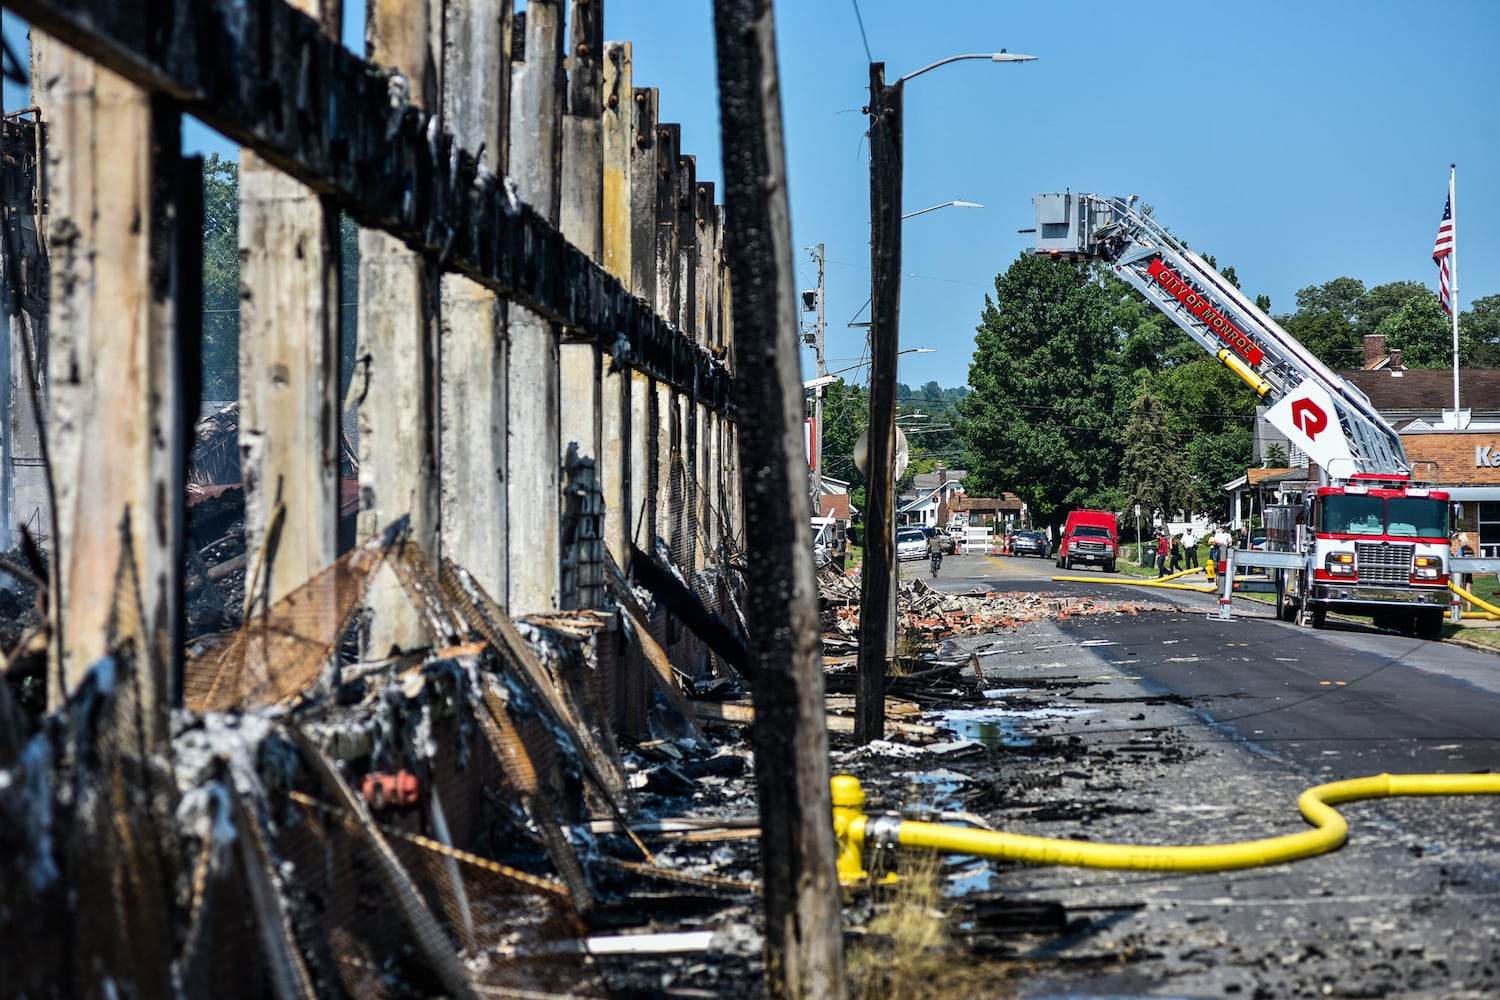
(1216, 459)
(1327, 335)
(221, 284)
(1210, 411)
(348, 301)
(1479, 331)
(1149, 339)
(1275, 456)
(1153, 469)
(221, 278)
(1325, 319)
(1340, 297)
(1421, 331)
(1040, 419)
(1384, 301)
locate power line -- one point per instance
(863, 37)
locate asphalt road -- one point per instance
(1170, 726)
(1346, 698)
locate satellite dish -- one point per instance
(862, 454)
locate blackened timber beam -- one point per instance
(270, 79)
(803, 946)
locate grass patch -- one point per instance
(907, 953)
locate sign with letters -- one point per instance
(1198, 306)
(1308, 418)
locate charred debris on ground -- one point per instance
(463, 819)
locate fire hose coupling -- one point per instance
(855, 830)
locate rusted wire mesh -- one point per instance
(282, 652)
(489, 621)
(118, 854)
(514, 933)
(93, 868)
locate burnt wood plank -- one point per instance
(268, 77)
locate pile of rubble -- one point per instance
(935, 615)
(417, 826)
(462, 820)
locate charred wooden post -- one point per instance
(705, 498)
(535, 462)
(803, 940)
(668, 304)
(289, 367)
(643, 393)
(730, 463)
(24, 493)
(877, 614)
(396, 375)
(618, 432)
(582, 222)
(684, 460)
(472, 402)
(117, 427)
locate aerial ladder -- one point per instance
(1349, 546)
(1332, 421)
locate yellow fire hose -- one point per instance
(855, 831)
(1489, 609)
(1163, 582)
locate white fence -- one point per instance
(980, 540)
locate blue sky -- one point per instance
(1297, 141)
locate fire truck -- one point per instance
(1372, 537)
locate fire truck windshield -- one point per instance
(1422, 517)
(1414, 517)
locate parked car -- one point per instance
(1030, 543)
(911, 543)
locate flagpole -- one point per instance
(1453, 267)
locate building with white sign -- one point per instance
(1463, 444)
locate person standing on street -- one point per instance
(1190, 547)
(1219, 545)
(1161, 555)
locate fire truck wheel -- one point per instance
(1429, 624)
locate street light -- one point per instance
(946, 204)
(877, 586)
(1001, 56)
(830, 377)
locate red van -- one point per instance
(1092, 537)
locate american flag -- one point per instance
(1442, 253)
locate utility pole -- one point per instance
(876, 583)
(804, 944)
(818, 392)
